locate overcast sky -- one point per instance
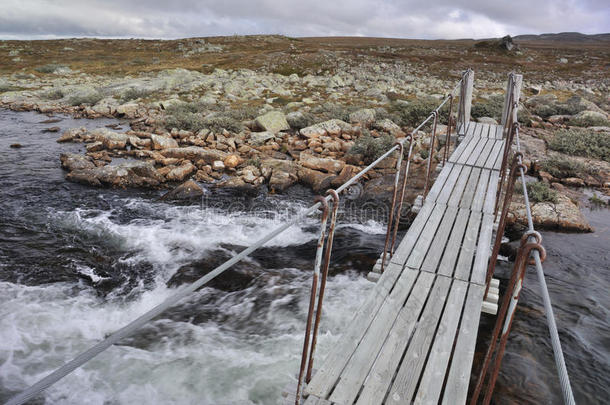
(384, 18)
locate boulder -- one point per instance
(110, 139)
(387, 125)
(318, 181)
(232, 161)
(259, 138)
(74, 161)
(364, 116)
(185, 191)
(72, 134)
(129, 174)
(507, 43)
(332, 127)
(346, 174)
(487, 120)
(325, 164)
(589, 119)
(163, 142)
(195, 154)
(273, 121)
(564, 215)
(181, 172)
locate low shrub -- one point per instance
(589, 119)
(489, 108)
(541, 192)
(134, 93)
(562, 168)
(581, 142)
(50, 68)
(89, 98)
(371, 148)
(328, 111)
(54, 94)
(416, 111)
(189, 116)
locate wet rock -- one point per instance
(284, 173)
(72, 134)
(181, 172)
(94, 147)
(273, 121)
(325, 164)
(365, 116)
(74, 161)
(195, 154)
(16, 145)
(130, 174)
(564, 215)
(110, 139)
(318, 181)
(163, 142)
(346, 174)
(52, 129)
(186, 191)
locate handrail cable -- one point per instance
(59, 373)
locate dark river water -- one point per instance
(77, 263)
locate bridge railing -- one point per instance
(530, 251)
(322, 259)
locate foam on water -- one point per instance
(245, 352)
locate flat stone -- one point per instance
(273, 121)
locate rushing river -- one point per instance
(77, 263)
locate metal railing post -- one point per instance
(393, 206)
(431, 152)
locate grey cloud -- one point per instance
(389, 18)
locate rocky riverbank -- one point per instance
(316, 119)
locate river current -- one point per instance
(77, 263)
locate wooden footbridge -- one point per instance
(413, 339)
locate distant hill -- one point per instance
(565, 37)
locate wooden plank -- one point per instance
(436, 366)
(460, 149)
(479, 269)
(469, 149)
(484, 130)
(469, 190)
(498, 163)
(458, 190)
(425, 238)
(408, 241)
(439, 182)
(493, 155)
(453, 245)
(313, 400)
(458, 379)
(476, 153)
(380, 376)
(454, 176)
(324, 380)
(479, 194)
(490, 196)
(408, 375)
(499, 131)
(464, 264)
(357, 369)
(480, 162)
(440, 240)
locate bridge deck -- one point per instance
(413, 339)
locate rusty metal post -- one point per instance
(431, 154)
(502, 224)
(506, 154)
(393, 206)
(312, 299)
(402, 193)
(520, 263)
(325, 266)
(448, 134)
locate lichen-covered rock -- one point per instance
(74, 161)
(129, 174)
(110, 139)
(364, 116)
(72, 135)
(181, 172)
(163, 142)
(273, 121)
(332, 127)
(324, 164)
(195, 154)
(259, 138)
(563, 215)
(389, 126)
